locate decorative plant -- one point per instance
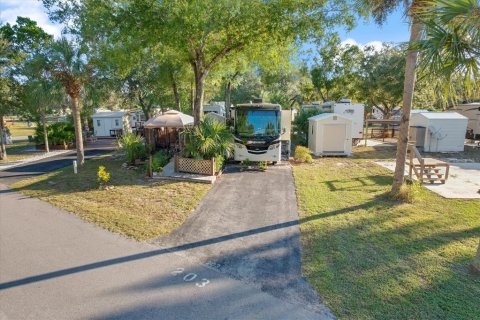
(160, 160)
(207, 140)
(103, 177)
(133, 146)
(262, 165)
(58, 133)
(300, 124)
(303, 154)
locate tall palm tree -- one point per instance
(452, 46)
(68, 63)
(380, 10)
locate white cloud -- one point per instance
(377, 45)
(33, 9)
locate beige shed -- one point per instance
(330, 134)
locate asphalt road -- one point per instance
(12, 175)
(236, 257)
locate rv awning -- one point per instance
(170, 119)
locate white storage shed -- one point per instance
(444, 131)
(109, 123)
(330, 134)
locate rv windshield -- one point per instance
(254, 123)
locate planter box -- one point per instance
(188, 165)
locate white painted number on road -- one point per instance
(190, 277)
(178, 271)
(203, 284)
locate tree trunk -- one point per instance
(146, 108)
(78, 131)
(45, 132)
(192, 92)
(408, 89)
(176, 95)
(200, 76)
(228, 94)
(3, 149)
(475, 265)
(86, 127)
(228, 98)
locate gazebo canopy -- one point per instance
(170, 119)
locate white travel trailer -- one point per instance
(215, 107)
(330, 134)
(355, 112)
(110, 123)
(444, 131)
(472, 112)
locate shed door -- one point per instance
(334, 137)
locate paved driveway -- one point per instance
(237, 257)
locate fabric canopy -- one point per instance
(170, 119)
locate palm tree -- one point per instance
(380, 10)
(68, 64)
(452, 46)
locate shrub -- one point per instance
(133, 146)
(410, 192)
(262, 165)
(103, 176)
(219, 162)
(207, 140)
(300, 125)
(160, 160)
(303, 154)
(58, 133)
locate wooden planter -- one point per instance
(189, 165)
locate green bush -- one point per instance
(159, 160)
(58, 133)
(133, 146)
(300, 125)
(207, 140)
(303, 154)
(219, 162)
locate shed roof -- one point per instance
(326, 115)
(109, 114)
(442, 115)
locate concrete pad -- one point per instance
(379, 143)
(169, 173)
(463, 181)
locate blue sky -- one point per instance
(366, 32)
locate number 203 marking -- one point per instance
(190, 277)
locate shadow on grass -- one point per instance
(372, 153)
(359, 183)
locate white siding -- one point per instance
(445, 135)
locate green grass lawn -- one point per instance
(370, 257)
(136, 207)
(19, 129)
(19, 150)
